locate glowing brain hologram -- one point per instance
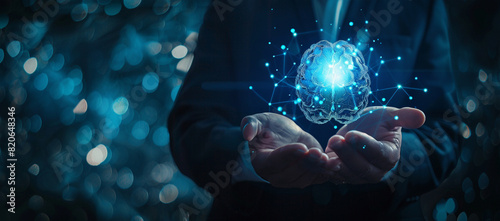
(332, 82)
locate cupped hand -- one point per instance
(370, 147)
(282, 153)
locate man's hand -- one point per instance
(370, 146)
(282, 153)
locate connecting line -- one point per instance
(283, 102)
(392, 96)
(413, 88)
(389, 88)
(403, 88)
(258, 95)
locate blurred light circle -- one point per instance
(130, 4)
(34, 169)
(4, 20)
(81, 107)
(2, 55)
(97, 155)
(483, 181)
(162, 173)
(36, 123)
(134, 56)
(120, 105)
(185, 64)
(125, 178)
(450, 205)
(469, 195)
(480, 129)
(161, 136)
(140, 130)
(471, 105)
(168, 193)
(92, 183)
(137, 218)
(67, 86)
(153, 48)
(57, 62)
(482, 76)
(179, 52)
(84, 134)
(30, 65)
(161, 6)
(13, 48)
(36, 202)
(113, 8)
(150, 82)
(462, 216)
(76, 76)
(46, 52)
(79, 12)
(465, 131)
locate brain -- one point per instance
(332, 82)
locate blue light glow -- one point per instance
(13, 48)
(41, 81)
(351, 23)
(150, 82)
(140, 130)
(120, 105)
(161, 136)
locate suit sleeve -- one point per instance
(204, 138)
(429, 154)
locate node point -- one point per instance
(351, 23)
(411, 98)
(283, 47)
(396, 117)
(425, 90)
(250, 87)
(399, 58)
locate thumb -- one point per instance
(250, 127)
(408, 117)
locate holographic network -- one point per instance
(332, 82)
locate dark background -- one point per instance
(98, 51)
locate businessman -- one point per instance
(280, 169)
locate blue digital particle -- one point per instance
(336, 74)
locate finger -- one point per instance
(250, 127)
(383, 155)
(354, 166)
(408, 117)
(309, 141)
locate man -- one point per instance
(286, 170)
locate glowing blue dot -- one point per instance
(250, 87)
(411, 98)
(416, 78)
(275, 84)
(41, 82)
(30, 65)
(297, 87)
(267, 64)
(284, 112)
(364, 147)
(425, 90)
(383, 99)
(292, 30)
(299, 100)
(130, 4)
(399, 86)
(399, 58)
(320, 29)
(356, 108)
(396, 117)
(294, 118)
(316, 98)
(283, 47)
(269, 104)
(320, 102)
(84, 134)
(371, 48)
(376, 74)
(335, 127)
(366, 21)
(120, 105)
(13, 48)
(268, 42)
(382, 61)
(294, 34)
(150, 82)
(280, 109)
(351, 23)
(140, 130)
(371, 112)
(161, 136)
(271, 76)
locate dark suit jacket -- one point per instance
(231, 53)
